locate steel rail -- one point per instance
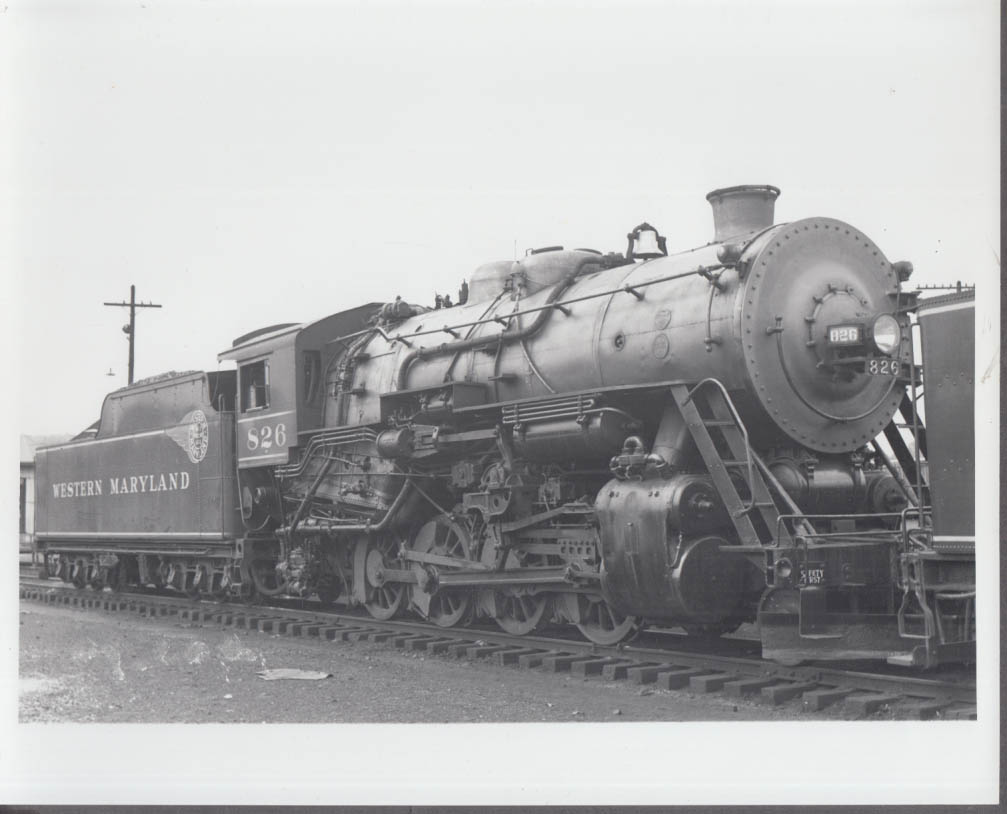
(690, 655)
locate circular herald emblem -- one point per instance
(199, 437)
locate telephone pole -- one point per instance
(130, 330)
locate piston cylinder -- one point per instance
(660, 559)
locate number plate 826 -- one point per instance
(883, 367)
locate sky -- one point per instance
(245, 164)
(249, 163)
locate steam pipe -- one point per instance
(323, 470)
(348, 358)
(369, 527)
(673, 442)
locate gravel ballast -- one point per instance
(78, 666)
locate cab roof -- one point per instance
(264, 340)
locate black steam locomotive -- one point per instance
(724, 435)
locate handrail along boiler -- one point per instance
(707, 438)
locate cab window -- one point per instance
(254, 386)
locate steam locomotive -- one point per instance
(724, 435)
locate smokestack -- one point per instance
(742, 209)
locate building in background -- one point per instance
(26, 499)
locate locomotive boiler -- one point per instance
(606, 440)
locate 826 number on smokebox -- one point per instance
(883, 367)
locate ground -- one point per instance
(117, 667)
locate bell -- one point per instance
(645, 243)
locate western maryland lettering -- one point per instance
(77, 488)
(165, 482)
(126, 485)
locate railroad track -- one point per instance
(683, 665)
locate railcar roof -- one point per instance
(947, 299)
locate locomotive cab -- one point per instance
(281, 370)
(267, 394)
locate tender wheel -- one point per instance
(96, 577)
(444, 537)
(222, 588)
(384, 599)
(124, 574)
(117, 579)
(202, 580)
(57, 566)
(78, 574)
(598, 621)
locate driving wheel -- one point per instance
(384, 598)
(599, 621)
(445, 537)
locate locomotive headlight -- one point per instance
(887, 334)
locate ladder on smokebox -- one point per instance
(715, 425)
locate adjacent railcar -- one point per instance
(698, 439)
(921, 572)
(938, 566)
